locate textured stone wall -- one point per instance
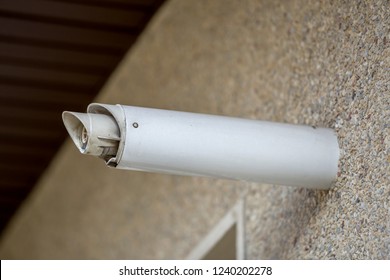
(323, 63)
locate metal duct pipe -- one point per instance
(182, 143)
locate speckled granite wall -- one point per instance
(319, 63)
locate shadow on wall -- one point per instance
(282, 221)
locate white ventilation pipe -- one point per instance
(182, 143)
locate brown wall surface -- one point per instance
(310, 62)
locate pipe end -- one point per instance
(93, 134)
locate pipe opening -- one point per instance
(93, 134)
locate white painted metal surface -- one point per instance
(234, 217)
(184, 143)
